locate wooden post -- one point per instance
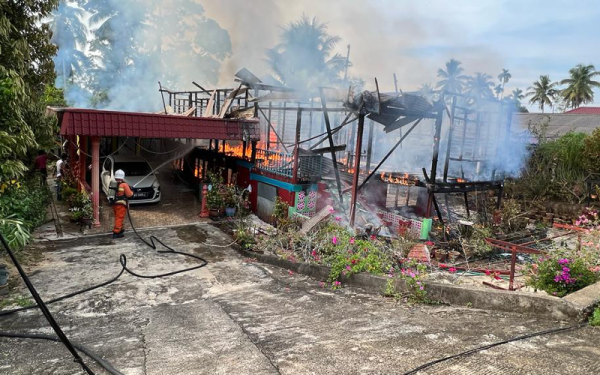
(369, 147)
(82, 158)
(331, 144)
(96, 180)
(253, 155)
(434, 159)
(297, 145)
(359, 136)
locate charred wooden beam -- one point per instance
(323, 150)
(369, 146)
(331, 145)
(297, 146)
(359, 136)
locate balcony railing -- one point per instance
(281, 163)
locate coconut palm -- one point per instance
(451, 79)
(479, 86)
(498, 90)
(542, 92)
(426, 90)
(580, 85)
(305, 58)
(504, 77)
(69, 34)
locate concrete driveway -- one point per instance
(236, 316)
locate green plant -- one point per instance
(595, 318)
(281, 209)
(230, 196)
(81, 206)
(245, 239)
(214, 197)
(561, 273)
(413, 274)
(22, 208)
(20, 301)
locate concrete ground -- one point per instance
(237, 316)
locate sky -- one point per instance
(414, 38)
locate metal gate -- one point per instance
(267, 195)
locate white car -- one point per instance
(138, 174)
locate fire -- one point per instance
(198, 168)
(273, 159)
(238, 151)
(403, 179)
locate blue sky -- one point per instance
(414, 38)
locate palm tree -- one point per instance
(504, 77)
(543, 92)
(426, 90)
(580, 85)
(480, 86)
(304, 57)
(69, 34)
(498, 90)
(451, 78)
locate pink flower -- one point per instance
(321, 284)
(334, 240)
(452, 269)
(373, 237)
(331, 210)
(352, 240)
(442, 265)
(348, 268)
(338, 219)
(314, 253)
(429, 243)
(290, 272)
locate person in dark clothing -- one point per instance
(61, 166)
(40, 165)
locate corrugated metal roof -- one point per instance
(76, 121)
(585, 111)
(556, 124)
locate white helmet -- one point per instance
(120, 175)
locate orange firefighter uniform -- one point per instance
(120, 206)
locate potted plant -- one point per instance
(230, 200)
(214, 197)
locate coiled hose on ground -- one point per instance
(61, 337)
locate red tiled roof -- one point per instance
(584, 111)
(76, 121)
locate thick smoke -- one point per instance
(128, 46)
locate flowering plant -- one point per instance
(560, 274)
(588, 218)
(413, 274)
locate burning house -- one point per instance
(314, 150)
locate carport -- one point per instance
(78, 125)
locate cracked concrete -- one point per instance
(237, 316)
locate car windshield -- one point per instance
(134, 168)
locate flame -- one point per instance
(403, 179)
(237, 151)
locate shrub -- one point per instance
(413, 274)
(561, 274)
(22, 208)
(595, 318)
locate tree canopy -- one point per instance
(580, 85)
(304, 58)
(26, 78)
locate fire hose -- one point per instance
(60, 336)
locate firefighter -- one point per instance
(120, 206)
